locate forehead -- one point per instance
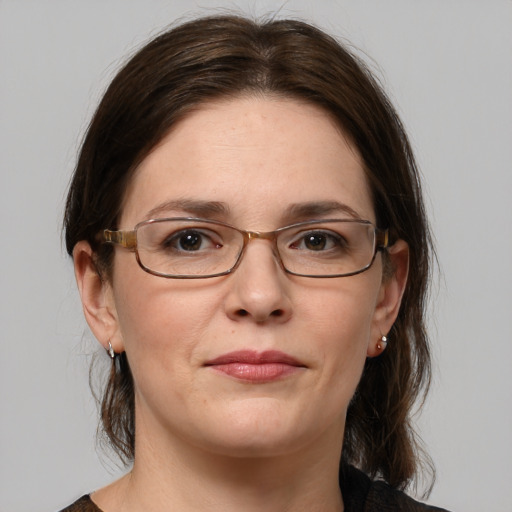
(255, 156)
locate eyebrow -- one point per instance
(317, 210)
(294, 213)
(193, 207)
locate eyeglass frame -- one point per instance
(128, 240)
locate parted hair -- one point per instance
(229, 56)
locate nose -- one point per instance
(259, 287)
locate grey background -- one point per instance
(448, 67)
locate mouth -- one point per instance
(256, 367)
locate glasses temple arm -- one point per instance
(127, 239)
(382, 239)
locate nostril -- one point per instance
(275, 313)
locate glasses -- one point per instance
(189, 248)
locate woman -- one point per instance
(251, 249)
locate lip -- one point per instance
(257, 367)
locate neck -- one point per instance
(188, 478)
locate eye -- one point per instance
(190, 240)
(319, 241)
(315, 241)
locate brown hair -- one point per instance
(226, 56)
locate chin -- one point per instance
(261, 432)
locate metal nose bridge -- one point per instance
(263, 235)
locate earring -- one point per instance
(381, 345)
(110, 350)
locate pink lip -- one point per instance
(254, 366)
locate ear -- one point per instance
(97, 298)
(390, 296)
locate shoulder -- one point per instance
(384, 498)
(84, 504)
(361, 494)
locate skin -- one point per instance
(206, 440)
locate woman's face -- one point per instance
(261, 160)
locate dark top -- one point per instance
(360, 494)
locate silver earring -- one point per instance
(381, 345)
(110, 350)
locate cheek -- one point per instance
(342, 313)
(163, 327)
(339, 322)
(162, 321)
